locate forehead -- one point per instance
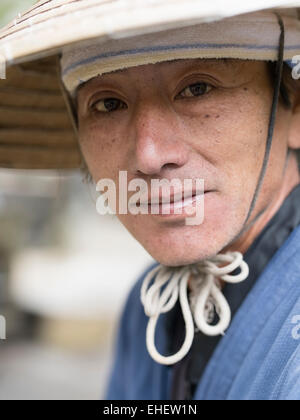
(175, 66)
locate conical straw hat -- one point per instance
(36, 130)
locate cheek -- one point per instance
(230, 128)
(231, 134)
(102, 151)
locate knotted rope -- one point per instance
(205, 297)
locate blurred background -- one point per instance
(65, 272)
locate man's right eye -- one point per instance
(108, 105)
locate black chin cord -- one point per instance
(278, 77)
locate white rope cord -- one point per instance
(205, 296)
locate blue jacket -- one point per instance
(257, 359)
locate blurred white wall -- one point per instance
(90, 273)
(72, 269)
(9, 9)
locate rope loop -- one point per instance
(205, 298)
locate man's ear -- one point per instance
(294, 137)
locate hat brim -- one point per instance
(49, 25)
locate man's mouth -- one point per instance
(173, 204)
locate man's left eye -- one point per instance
(196, 89)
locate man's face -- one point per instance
(186, 119)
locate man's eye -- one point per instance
(196, 89)
(108, 105)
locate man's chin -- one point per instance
(189, 249)
(182, 259)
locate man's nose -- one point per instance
(158, 141)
